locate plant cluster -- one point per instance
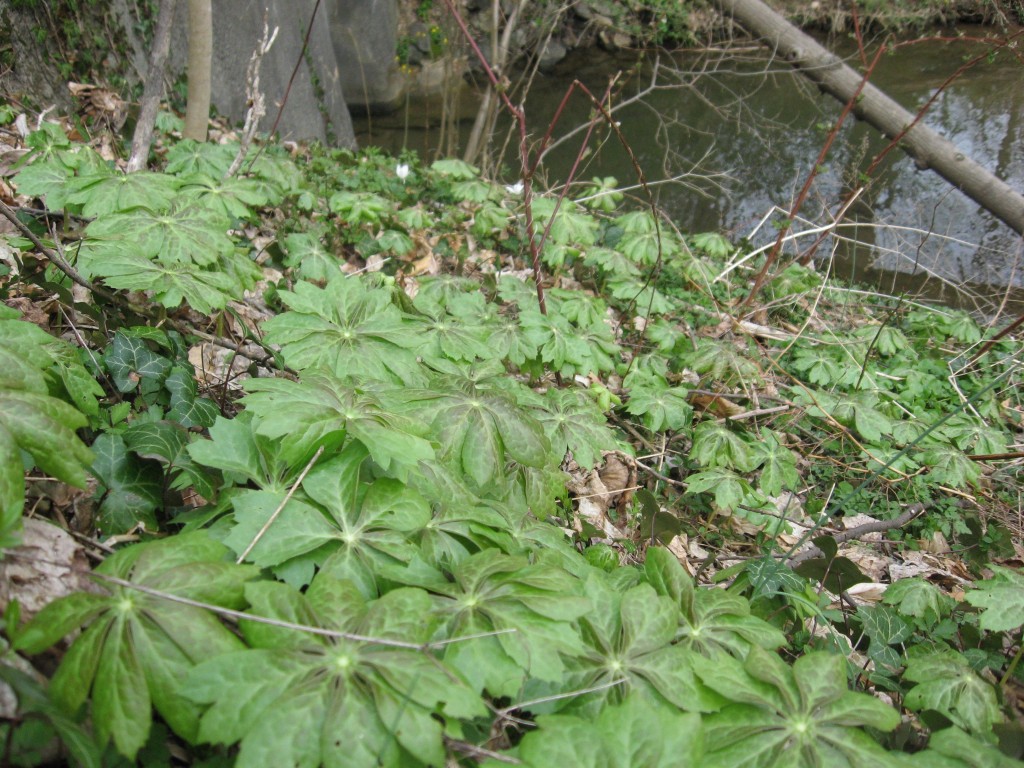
(371, 557)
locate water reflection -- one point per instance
(740, 133)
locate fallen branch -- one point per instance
(876, 526)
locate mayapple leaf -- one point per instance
(323, 408)
(311, 699)
(637, 732)
(802, 715)
(104, 194)
(138, 646)
(348, 328)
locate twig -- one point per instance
(257, 101)
(281, 506)
(875, 526)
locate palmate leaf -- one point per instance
(348, 328)
(189, 156)
(637, 732)
(109, 192)
(660, 406)
(356, 528)
(628, 637)
(712, 621)
(480, 427)
(203, 290)
(302, 414)
(802, 715)
(923, 600)
(307, 253)
(137, 647)
(44, 427)
(531, 605)
(1001, 599)
(299, 699)
(557, 341)
(242, 455)
(186, 234)
(573, 422)
(947, 683)
(230, 199)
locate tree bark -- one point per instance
(154, 88)
(200, 55)
(927, 147)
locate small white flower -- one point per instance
(402, 171)
(514, 189)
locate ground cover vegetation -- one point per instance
(357, 491)
(359, 501)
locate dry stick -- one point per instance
(281, 506)
(257, 101)
(875, 526)
(288, 88)
(154, 87)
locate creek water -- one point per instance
(724, 137)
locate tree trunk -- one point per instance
(154, 88)
(200, 54)
(927, 147)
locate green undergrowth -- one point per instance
(368, 554)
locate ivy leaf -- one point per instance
(131, 487)
(348, 328)
(799, 715)
(187, 408)
(302, 699)
(301, 415)
(1001, 599)
(138, 647)
(129, 360)
(947, 683)
(167, 442)
(637, 732)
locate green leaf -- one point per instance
(129, 360)
(334, 700)
(307, 253)
(43, 427)
(139, 646)
(348, 328)
(922, 599)
(948, 684)
(662, 407)
(952, 748)
(730, 489)
(132, 488)
(637, 732)
(573, 422)
(717, 445)
(778, 465)
(102, 194)
(799, 715)
(1001, 599)
(321, 407)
